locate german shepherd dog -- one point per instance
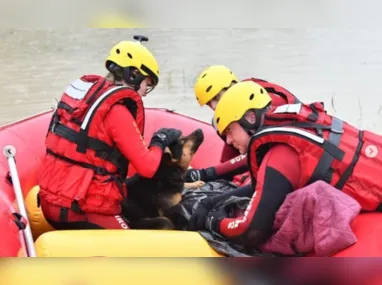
(150, 199)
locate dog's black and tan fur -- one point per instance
(150, 200)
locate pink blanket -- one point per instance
(315, 218)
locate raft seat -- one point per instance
(38, 223)
(123, 243)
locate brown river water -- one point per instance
(339, 67)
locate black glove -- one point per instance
(213, 219)
(164, 137)
(204, 218)
(197, 221)
(207, 174)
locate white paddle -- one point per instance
(10, 152)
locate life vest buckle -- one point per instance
(53, 127)
(341, 131)
(337, 126)
(56, 121)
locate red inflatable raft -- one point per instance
(28, 135)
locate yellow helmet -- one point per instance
(130, 55)
(237, 100)
(211, 81)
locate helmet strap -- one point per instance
(116, 70)
(132, 77)
(249, 127)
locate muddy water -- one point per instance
(343, 68)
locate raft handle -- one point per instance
(9, 152)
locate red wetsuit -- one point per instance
(227, 170)
(131, 143)
(278, 175)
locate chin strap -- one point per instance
(251, 128)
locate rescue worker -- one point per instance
(210, 86)
(313, 146)
(95, 132)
